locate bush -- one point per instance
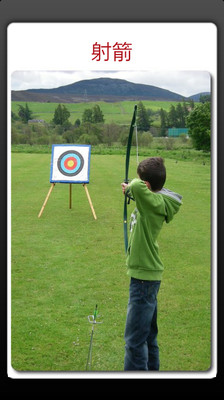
(199, 124)
(145, 139)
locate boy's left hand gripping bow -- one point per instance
(126, 197)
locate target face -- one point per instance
(70, 163)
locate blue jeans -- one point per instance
(141, 348)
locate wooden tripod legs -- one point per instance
(45, 201)
(70, 199)
(89, 199)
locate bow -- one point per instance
(127, 197)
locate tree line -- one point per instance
(93, 130)
(174, 118)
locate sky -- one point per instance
(185, 83)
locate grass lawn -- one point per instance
(65, 263)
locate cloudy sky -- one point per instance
(185, 83)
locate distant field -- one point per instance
(65, 263)
(119, 113)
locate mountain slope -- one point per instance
(106, 89)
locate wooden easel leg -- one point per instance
(89, 199)
(45, 201)
(70, 195)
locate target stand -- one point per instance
(70, 164)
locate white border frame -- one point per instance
(190, 51)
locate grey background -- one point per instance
(103, 11)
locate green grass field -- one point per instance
(118, 112)
(65, 263)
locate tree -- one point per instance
(87, 115)
(77, 123)
(172, 116)
(61, 115)
(143, 122)
(164, 122)
(186, 109)
(25, 113)
(199, 124)
(93, 115)
(180, 116)
(204, 98)
(177, 116)
(97, 114)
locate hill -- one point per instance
(196, 97)
(101, 89)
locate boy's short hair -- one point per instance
(153, 171)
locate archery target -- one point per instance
(70, 163)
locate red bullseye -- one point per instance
(70, 163)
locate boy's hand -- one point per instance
(124, 185)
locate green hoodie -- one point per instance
(152, 209)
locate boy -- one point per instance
(154, 205)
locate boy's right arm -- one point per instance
(142, 195)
